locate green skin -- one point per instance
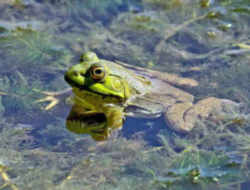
(108, 95)
(105, 89)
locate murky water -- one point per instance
(208, 41)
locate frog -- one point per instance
(113, 90)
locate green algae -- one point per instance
(37, 150)
(123, 164)
(198, 170)
(29, 46)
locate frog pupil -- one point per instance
(98, 71)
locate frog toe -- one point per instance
(52, 97)
(52, 102)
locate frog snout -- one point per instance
(73, 73)
(74, 77)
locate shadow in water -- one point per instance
(95, 125)
(148, 128)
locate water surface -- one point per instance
(201, 39)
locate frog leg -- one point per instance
(212, 108)
(183, 116)
(52, 97)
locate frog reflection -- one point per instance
(94, 124)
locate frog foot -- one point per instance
(52, 97)
(182, 117)
(2, 93)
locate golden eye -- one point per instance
(97, 73)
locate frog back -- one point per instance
(138, 84)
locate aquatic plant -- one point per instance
(197, 170)
(7, 182)
(90, 10)
(166, 5)
(65, 161)
(239, 7)
(27, 46)
(44, 155)
(28, 55)
(211, 157)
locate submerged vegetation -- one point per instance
(203, 39)
(218, 160)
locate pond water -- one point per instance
(205, 40)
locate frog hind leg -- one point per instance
(182, 117)
(175, 117)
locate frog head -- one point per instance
(101, 88)
(94, 75)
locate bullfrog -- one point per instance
(110, 91)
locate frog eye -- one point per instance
(97, 73)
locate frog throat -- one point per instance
(100, 89)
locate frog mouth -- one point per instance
(72, 82)
(75, 84)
